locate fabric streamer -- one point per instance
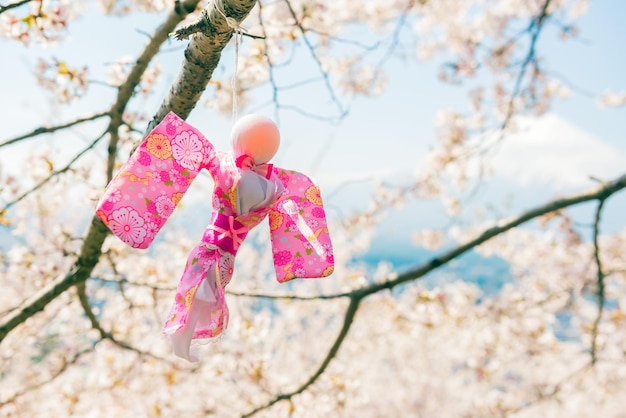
(143, 195)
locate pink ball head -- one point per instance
(256, 136)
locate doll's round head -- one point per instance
(256, 136)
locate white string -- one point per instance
(233, 24)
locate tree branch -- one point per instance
(395, 39)
(127, 89)
(203, 25)
(201, 58)
(97, 232)
(332, 352)
(49, 129)
(535, 29)
(602, 193)
(105, 335)
(123, 281)
(267, 295)
(58, 373)
(9, 6)
(52, 175)
(329, 87)
(600, 283)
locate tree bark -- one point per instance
(201, 58)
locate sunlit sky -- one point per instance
(382, 138)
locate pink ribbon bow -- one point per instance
(225, 232)
(246, 162)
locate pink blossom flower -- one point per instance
(187, 150)
(127, 224)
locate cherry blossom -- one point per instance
(547, 339)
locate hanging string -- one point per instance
(236, 27)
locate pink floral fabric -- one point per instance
(143, 195)
(139, 200)
(301, 243)
(214, 257)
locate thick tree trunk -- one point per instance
(201, 58)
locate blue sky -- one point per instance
(385, 137)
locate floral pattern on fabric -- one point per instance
(127, 224)
(298, 229)
(154, 180)
(215, 255)
(201, 260)
(139, 200)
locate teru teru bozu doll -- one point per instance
(142, 196)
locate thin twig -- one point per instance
(356, 296)
(58, 373)
(124, 281)
(329, 119)
(9, 6)
(84, 302)
(332, 352)
(602, 192)
(120, 283)
(535, 29)
(270, 65)
(52, 175)
(288, 296)
(395, 40)
(340, 40)
(554, 390)
(329, 87)
(600, 283)
(49, 129)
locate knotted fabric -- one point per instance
(246, 162)
(225, 232)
